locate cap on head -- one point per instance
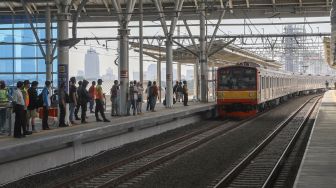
(115, 81)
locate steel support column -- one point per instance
(203, 56)
(48, 58)
(169, 72)
(141, 41)
(123, 68)
(63, 20)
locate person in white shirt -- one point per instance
(19, 105)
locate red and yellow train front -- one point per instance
(237, 91)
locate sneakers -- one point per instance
(27, 133)
(99, 120)
(106, 120)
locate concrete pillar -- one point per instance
(141, 41)
(123, 68)
(63, 50)
(169, 72)
(203, 56)
(48, 58)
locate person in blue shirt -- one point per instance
(46, 104)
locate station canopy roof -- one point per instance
(102, 10)
(219, 55)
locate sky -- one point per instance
(108, 54)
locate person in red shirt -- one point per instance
(92, 92)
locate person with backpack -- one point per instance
(114, 97)
(46, 95)
(33, 105)
(62, 100)
(100, 102)
(179, 90)
(149, 85)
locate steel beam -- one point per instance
(216, 29)
(159, 7)
(32, 27)
(190, 34)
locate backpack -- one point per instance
(40, 100)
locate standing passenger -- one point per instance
(33, 105)
(185, 93)
(62, 105)
(73, 99)
(78, 99)
(19, 104)
(134, 97)
(99, 102)
(114, 101)
(92, 92)
(4, 99)
(154, 96)
(84, 98)
(140, 97)
(148, 92)
(46, 105)
(25, 95)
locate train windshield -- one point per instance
(237, 78)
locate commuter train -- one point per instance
(246, 89)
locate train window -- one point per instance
(237, 78)
(263, 83)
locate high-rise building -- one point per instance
(6, 51)
(91, 67)
(151, 72)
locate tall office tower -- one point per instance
(6, 51)
(91, 64)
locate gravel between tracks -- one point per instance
(51, 177)
(200, 167)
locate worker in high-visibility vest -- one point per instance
(4, 99)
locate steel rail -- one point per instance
(224, 182)
(274, 173)
(136, 156)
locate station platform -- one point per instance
(58, 146)
(318, 168)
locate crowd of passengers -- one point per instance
(26, 101)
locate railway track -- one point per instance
(122, 171)
(261, 166)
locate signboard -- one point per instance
(123, 74)
(63, 74)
